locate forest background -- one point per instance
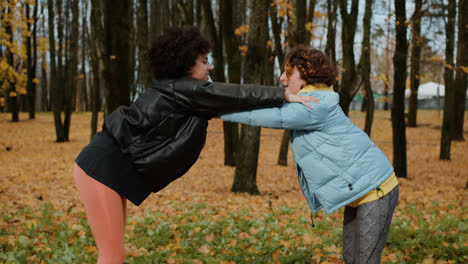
(59, 58)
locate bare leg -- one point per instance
(106, 213)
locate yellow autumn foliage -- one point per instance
(465, 69)
(318, 14)
(243, 49)
(282, 7)
(37, 169)
(244, 29)
(383, 78)
(309, 27)
(13, 75)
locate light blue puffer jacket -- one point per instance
(336, 162)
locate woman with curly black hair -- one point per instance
(144, 147)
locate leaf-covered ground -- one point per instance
(197, 219)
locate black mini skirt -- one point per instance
(103, 160)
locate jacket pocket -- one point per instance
(334, 194)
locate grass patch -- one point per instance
(199, 232)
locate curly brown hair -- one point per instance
(313, 65)
(173, 53)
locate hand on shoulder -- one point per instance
(303, 99)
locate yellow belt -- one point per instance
(384, 188)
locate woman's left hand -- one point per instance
(303, 99)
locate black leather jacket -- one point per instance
(164, 130)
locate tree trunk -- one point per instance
(198, 13)
(32, 102)
(2, 16)
(310, 20)
(299, 36)
(63, 76)
(132, 55)
(415, 63)
(461, 75)
(165, 14)
(3, 96)
(245, 176)
(398, 105)
(84, 80)
(23, 101)
(72, 65)
(364, 66)
(348, 75)
(246, 170)
(231, 44)
(370, 107)
(241, 8)
(298, 23)
(68, 72)
(388, 63)
(330, 49)
(386, 94)
(155, 26)
(230, 129)
(216, 39)
(276, 28)
(231, 141)
(144, 76)
(46, 92)
(177, 17)
(45, 99)
(447, 123)
(284, 147)
(12, 95)
(365, 101)
(186, 10)
(117, 26)
(97, 50)
(56, 80)
(31, 54)
(189, 13)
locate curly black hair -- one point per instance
(313, 65)
(173, 53)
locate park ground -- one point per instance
(196, 219)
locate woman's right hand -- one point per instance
(303, 99)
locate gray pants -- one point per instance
(365, 229)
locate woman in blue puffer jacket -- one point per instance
(336, 163)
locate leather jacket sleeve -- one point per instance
(215, 98)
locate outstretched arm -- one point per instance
(225, 97)
(288, 116)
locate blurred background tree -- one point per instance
(90, 55)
